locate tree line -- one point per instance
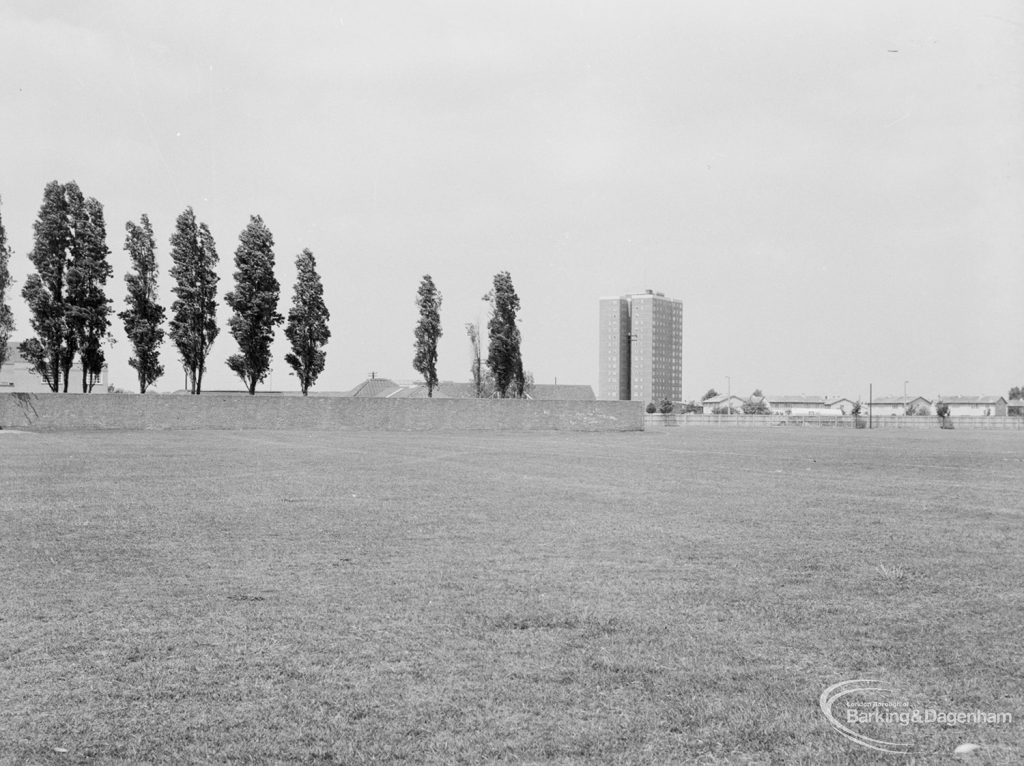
(71, 313)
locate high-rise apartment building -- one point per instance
(641, 348)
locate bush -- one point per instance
(755, 406)
(651, 408)
(942, 410)
(665, 407)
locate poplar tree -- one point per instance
(89, 308)
(504, 358)
(254, 301)
(476, 368)
(144, 316)
(193, 326)
(44, 289)
(6, 282)
(307, 329)
(427, 333)
(65, 292)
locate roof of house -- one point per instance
(797, 399)
(722, 398)
(414, 392)
(562, 392)
(448, 389)
(543, 391)
(14, 356)
(373, 387)
(1015, 402)
(972, 399)
(900, 399)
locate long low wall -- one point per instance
(658, 420)
(66, 412)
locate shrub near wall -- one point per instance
(218, 411)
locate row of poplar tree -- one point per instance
(70, 312)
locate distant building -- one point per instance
(640, 351)
(384, 388)
(842, 404)
(898, 405)
(16, 376)
(975, 406)
(797, 402)
(721, 402)
(1015, 407)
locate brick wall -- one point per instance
(60, 412)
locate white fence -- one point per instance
(657, 420)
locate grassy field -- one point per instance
(674, 596)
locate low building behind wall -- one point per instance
(226, 412)
(976, 406)
(16, 376)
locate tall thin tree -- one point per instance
(144, 317)
(504, 358)
(68, 239)
(254, 301)
(476, 367)
(428, 332)
(6, 282)
(89, 308)
(193, 326)
(307, 329)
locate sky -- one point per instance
(835, 190)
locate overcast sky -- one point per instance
(835, 190)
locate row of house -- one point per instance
(886, 406)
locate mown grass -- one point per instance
(680, 596)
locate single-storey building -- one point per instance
(386, 388)
(722, 401)
(975, 406)
(1015, 407)
(842, 404)
(17, 376)
(885, 406)
(789, 403)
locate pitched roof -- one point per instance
(448, 389)
(372, 387)
(542, 391)
(560, 392)
(900, 399)
(797, 399)
(722, 398)
(972, 399)
(414, 392)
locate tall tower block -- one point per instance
(641, 348)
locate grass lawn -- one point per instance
(673, 596)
